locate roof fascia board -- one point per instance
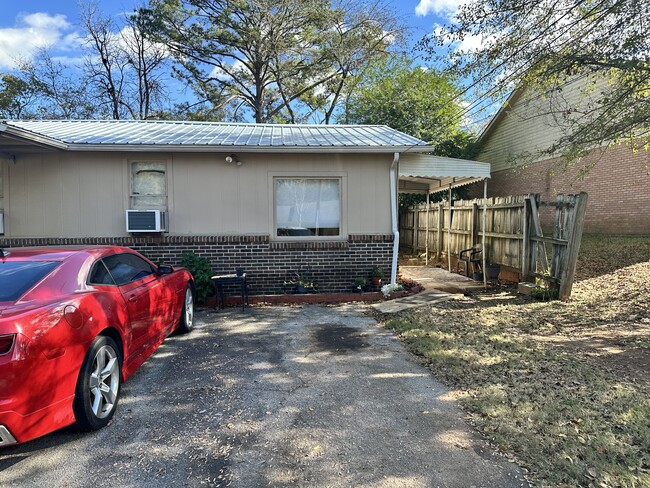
(510, 101)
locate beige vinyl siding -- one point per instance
(528, 126)
(212, 196)
(86, 194)
(65, 195)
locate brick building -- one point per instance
(618, 184)
(275, 200)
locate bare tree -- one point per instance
(125, 68)
(265, 56)
(59, 93)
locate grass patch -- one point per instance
(557, 407)
(563, 419)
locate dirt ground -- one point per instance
(607, 319)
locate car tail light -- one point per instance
(6, 343)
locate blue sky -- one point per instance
(28, 25)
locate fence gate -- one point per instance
(514, 234)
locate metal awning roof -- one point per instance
(147, 135)
(422, 173)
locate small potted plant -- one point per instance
(376, 275)
(300, 284)
(360, 285)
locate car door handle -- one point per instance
(133, 298)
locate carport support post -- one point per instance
(426, 236)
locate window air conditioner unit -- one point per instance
(146, 221)
(2, 223)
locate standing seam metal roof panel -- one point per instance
(123, 132)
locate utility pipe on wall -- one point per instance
(394, 168)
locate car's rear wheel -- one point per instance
(98, 386)
(187, 315)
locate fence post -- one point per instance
(574, 237)
(441, 219)
(525, 250)
(416, 229)
(473, 236)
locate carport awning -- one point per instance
(421, 173)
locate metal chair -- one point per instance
(470, 257)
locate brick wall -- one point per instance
(618, 186)
(332, 265)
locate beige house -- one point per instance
(274, 199)
(528, 123)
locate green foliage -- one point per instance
(543, 46)
(15, 95)
(267, 56)
(202, 272)
(377, 272)
(420, 102)
(408, 199)
(360, 282)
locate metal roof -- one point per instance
(147, 135)
(422, 173)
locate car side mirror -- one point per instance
(164, 269)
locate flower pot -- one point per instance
(375, 280)
(493, 271)
(302, 289)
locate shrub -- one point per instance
(202, 272)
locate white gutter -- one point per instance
(394, 169)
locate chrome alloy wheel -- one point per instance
(189, 308)
(104, 381)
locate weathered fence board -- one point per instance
(513, 234)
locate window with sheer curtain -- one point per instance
(307, 207)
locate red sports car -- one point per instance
(74, 323)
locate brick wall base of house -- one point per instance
(618, 186)
(333, 266)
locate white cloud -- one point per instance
(471, 44)
(32, 32)
(236, 67)
(439, 7)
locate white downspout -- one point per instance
(394, 168)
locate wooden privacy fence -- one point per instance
(513, 238)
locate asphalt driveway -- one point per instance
(276, 396)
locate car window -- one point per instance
(16, 277)
(125, 268)
(100, 275)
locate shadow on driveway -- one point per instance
(273, 396)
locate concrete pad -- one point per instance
(305, 396)
(332, 400)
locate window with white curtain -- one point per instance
(307, 207)
(149, 184)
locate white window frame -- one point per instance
(133, 198)
(306, 175)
